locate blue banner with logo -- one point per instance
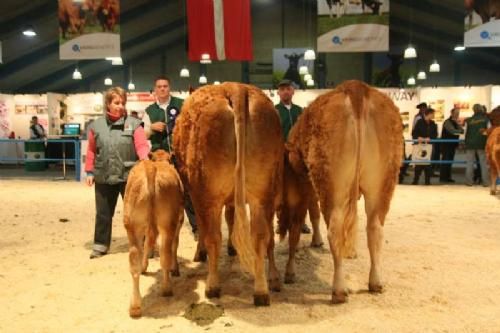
(353, 26)
(482, 29)
(89, 29)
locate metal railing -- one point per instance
(436, 161)
(76, 159)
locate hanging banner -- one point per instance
(89, 29)
(482, 23)
(220, 28)
(353, 25)
(287, 64)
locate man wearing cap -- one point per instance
(159, 121)
(288, 113)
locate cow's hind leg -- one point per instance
(274, 275)
(339, 233)
(201, 251)
(175, 245)
(293, 241)
(166, 244)
(212, 238)
(261, 235)
(135, 235)
(375, 220)
(493, 178)
(149, 246)
(314, 216)
(229, 215)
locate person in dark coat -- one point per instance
(425, 129)
(451, 131)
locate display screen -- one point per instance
(71, 129)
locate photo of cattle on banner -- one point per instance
(77, 18)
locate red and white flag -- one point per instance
(220, 28)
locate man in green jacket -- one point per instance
(159, 122)
(289, 113)
(475, 142)
(159, 118)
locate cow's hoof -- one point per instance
(493, 192)
(200, 256)
(261, 300)
(175, 272)
(275, 285)
(339, 298)
(316, 243)
(376, 288)
(231, 251)
(289, 278)
(167, 293)
(212, 293)
(135, 311)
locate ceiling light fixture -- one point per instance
(184, 72)
(205, 58)
(434, 67)
(309, 55)
(202, 79)
(410, 52)
(421, 75)
(29, 31)
(76, 74)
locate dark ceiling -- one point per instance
(151, 26)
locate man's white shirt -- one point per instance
(147, 121)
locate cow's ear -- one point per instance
(150, 155)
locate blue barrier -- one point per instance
(76, 159)
(436, 161)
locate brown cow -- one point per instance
(348, 141)
(493, 148)
(229, 146)
(153, 204)
(298, 197)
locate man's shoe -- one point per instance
(96, 254)
(305, 229)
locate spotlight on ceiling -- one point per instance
(29, 31)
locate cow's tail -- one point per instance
(347, 242)
(241, 236)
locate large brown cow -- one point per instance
(493, 148)
(348, 141)
(153, 204)
(228, 143)
(493, 157)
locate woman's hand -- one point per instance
(89, 180)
